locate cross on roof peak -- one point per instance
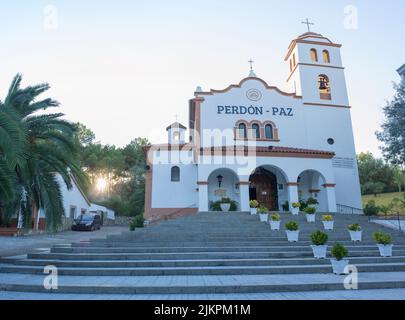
(308, 24)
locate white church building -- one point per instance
(254, 141)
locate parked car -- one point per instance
(87, 222)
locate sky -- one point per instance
(126, 68)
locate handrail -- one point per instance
(168, 216)
(341, 208)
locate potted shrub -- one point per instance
(295, 208)
(225, 204)
(275, 221)
(355, 232)
(263, 213)
(319, 246)
(292, 231)
(253, 206)
(310, 214)
(286, 206)
(327, 221)
(339, 264)
(312, 202)
(384, 243)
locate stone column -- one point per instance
(244, 196)
(331, 196)
(292, 193)
(203, 196)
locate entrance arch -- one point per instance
(268, 185)
(311, 184)
(223, 183)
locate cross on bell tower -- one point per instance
(308, 24)
(251, 73)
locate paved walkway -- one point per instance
(392, 224)
(388, 294)
(11, 246)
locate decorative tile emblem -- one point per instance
(254, 95)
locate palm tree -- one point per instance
(47, 148)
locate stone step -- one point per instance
(274, 248)
(195, 262)
(198, 284)
(196, 255)
(193, 271)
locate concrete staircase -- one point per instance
(207, 253)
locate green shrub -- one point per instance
(286, 206)
(310, 210)
(262, 209)
(339, 252)
(312, 202)
(292, 226)
(253, 203)
(303, 205)
(382, 238)
(275, 217)
(371, 209)
(354, 227)
(296, 205)
(216, 205)
(136, 222)
(327, 217)
(319, 238)
(225, 200)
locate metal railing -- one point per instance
(348, 210)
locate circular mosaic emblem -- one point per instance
(254, 95)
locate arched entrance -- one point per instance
(268, 187)
(223, 183)
(311, 185)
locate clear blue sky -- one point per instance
(125, 68)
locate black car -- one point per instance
(87, 222)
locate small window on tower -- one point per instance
(326, 56)
(294, 61)
(314, 55)
(324, 87)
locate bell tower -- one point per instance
(176, 133)
(315, 70)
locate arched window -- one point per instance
(268, 130)
(175, 174)
(256, 131)
(326, 56)
(314, 55)
(291, 66)
(294, 61)
(242, 131)
(324, 87)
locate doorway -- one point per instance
(263, 188)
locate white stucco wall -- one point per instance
(72, 198)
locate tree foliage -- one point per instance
(393, 129)
(34, 148)
(123, 169)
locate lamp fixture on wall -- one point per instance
(220, 178)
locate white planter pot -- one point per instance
(355, 235)
(225, 207)
(292, 236)
(310, 217)
(264, 217)
(275, 225)
(328, 225)
(339, 266)
(385, 250)
(295, 211)
(319, 251)
(253, 211)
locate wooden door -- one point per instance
(265, 184)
